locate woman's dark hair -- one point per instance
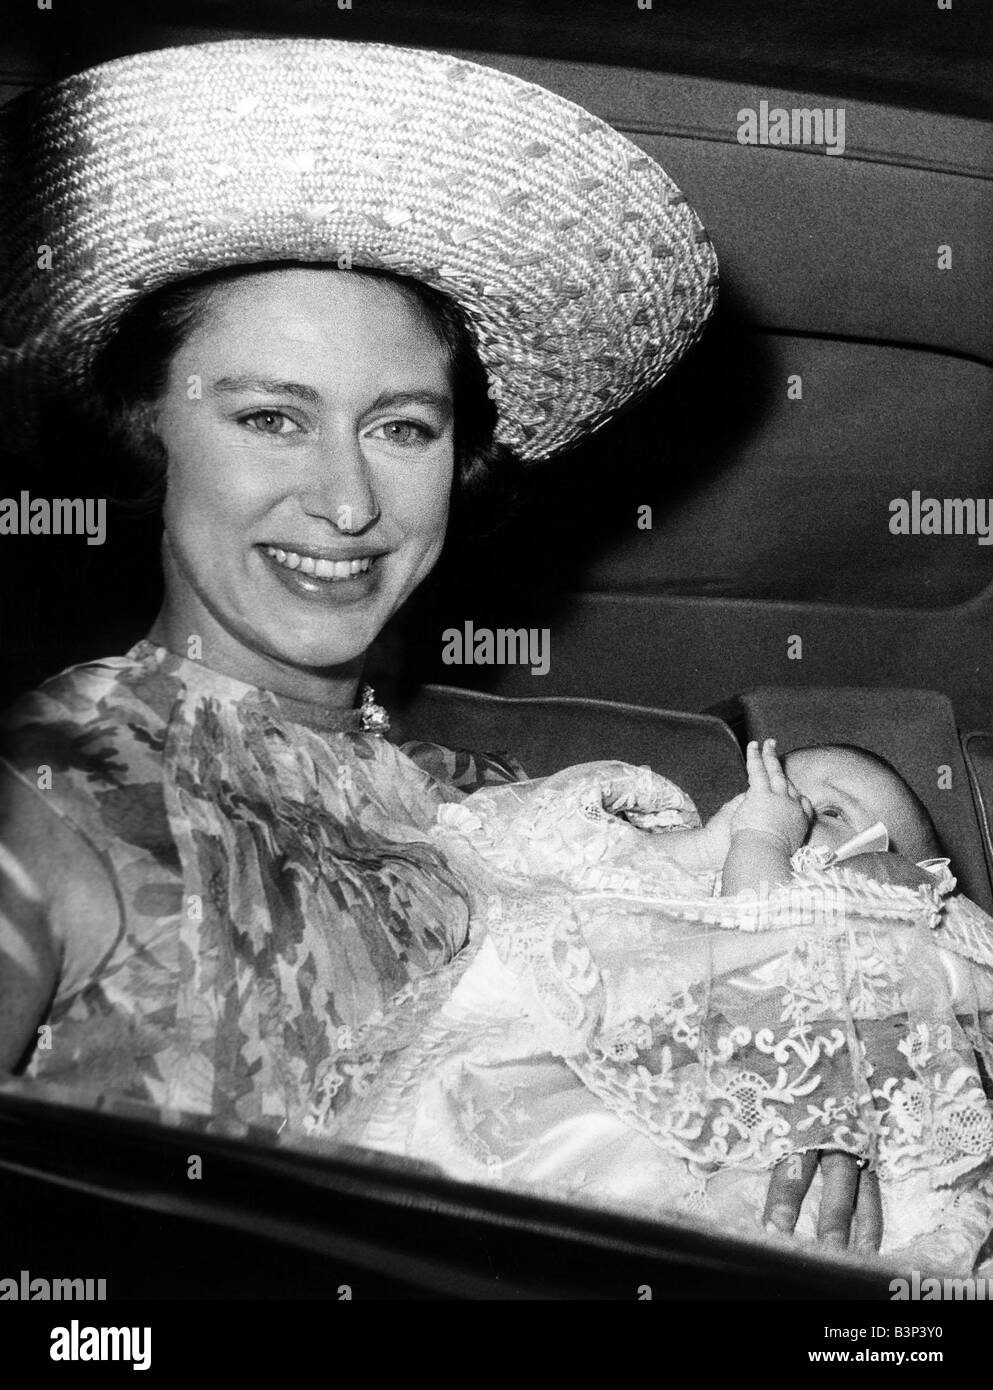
(131, 372)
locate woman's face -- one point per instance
(308, 424)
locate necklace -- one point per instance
(374, 718)
(369, 718)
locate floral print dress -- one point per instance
(275, 881)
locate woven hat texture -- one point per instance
(579, 264)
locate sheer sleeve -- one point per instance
(28, 960)
(462, 768)
(54, 881)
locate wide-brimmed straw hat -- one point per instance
(577, 261)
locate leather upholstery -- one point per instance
(697, 751)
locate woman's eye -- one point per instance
(404, 432)
(269, 422)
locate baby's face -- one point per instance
(848, 794)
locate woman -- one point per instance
(320, 285)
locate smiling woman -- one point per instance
(224, 863)
(301, 424)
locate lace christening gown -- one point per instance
(618, 1035)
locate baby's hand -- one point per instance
(772, 805)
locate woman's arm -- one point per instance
(55, 893)
(28, 961)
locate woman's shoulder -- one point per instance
(81, 779)
(91, 740)
(132, 677)
(85, 714)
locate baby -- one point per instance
(626, 1030)
(827, 799)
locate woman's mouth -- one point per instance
(317, 579)
(330, 571)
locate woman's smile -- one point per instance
(317, 577)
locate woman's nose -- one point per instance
(340, 487)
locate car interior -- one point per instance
(715, 565)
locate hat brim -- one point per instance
(582, 270)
